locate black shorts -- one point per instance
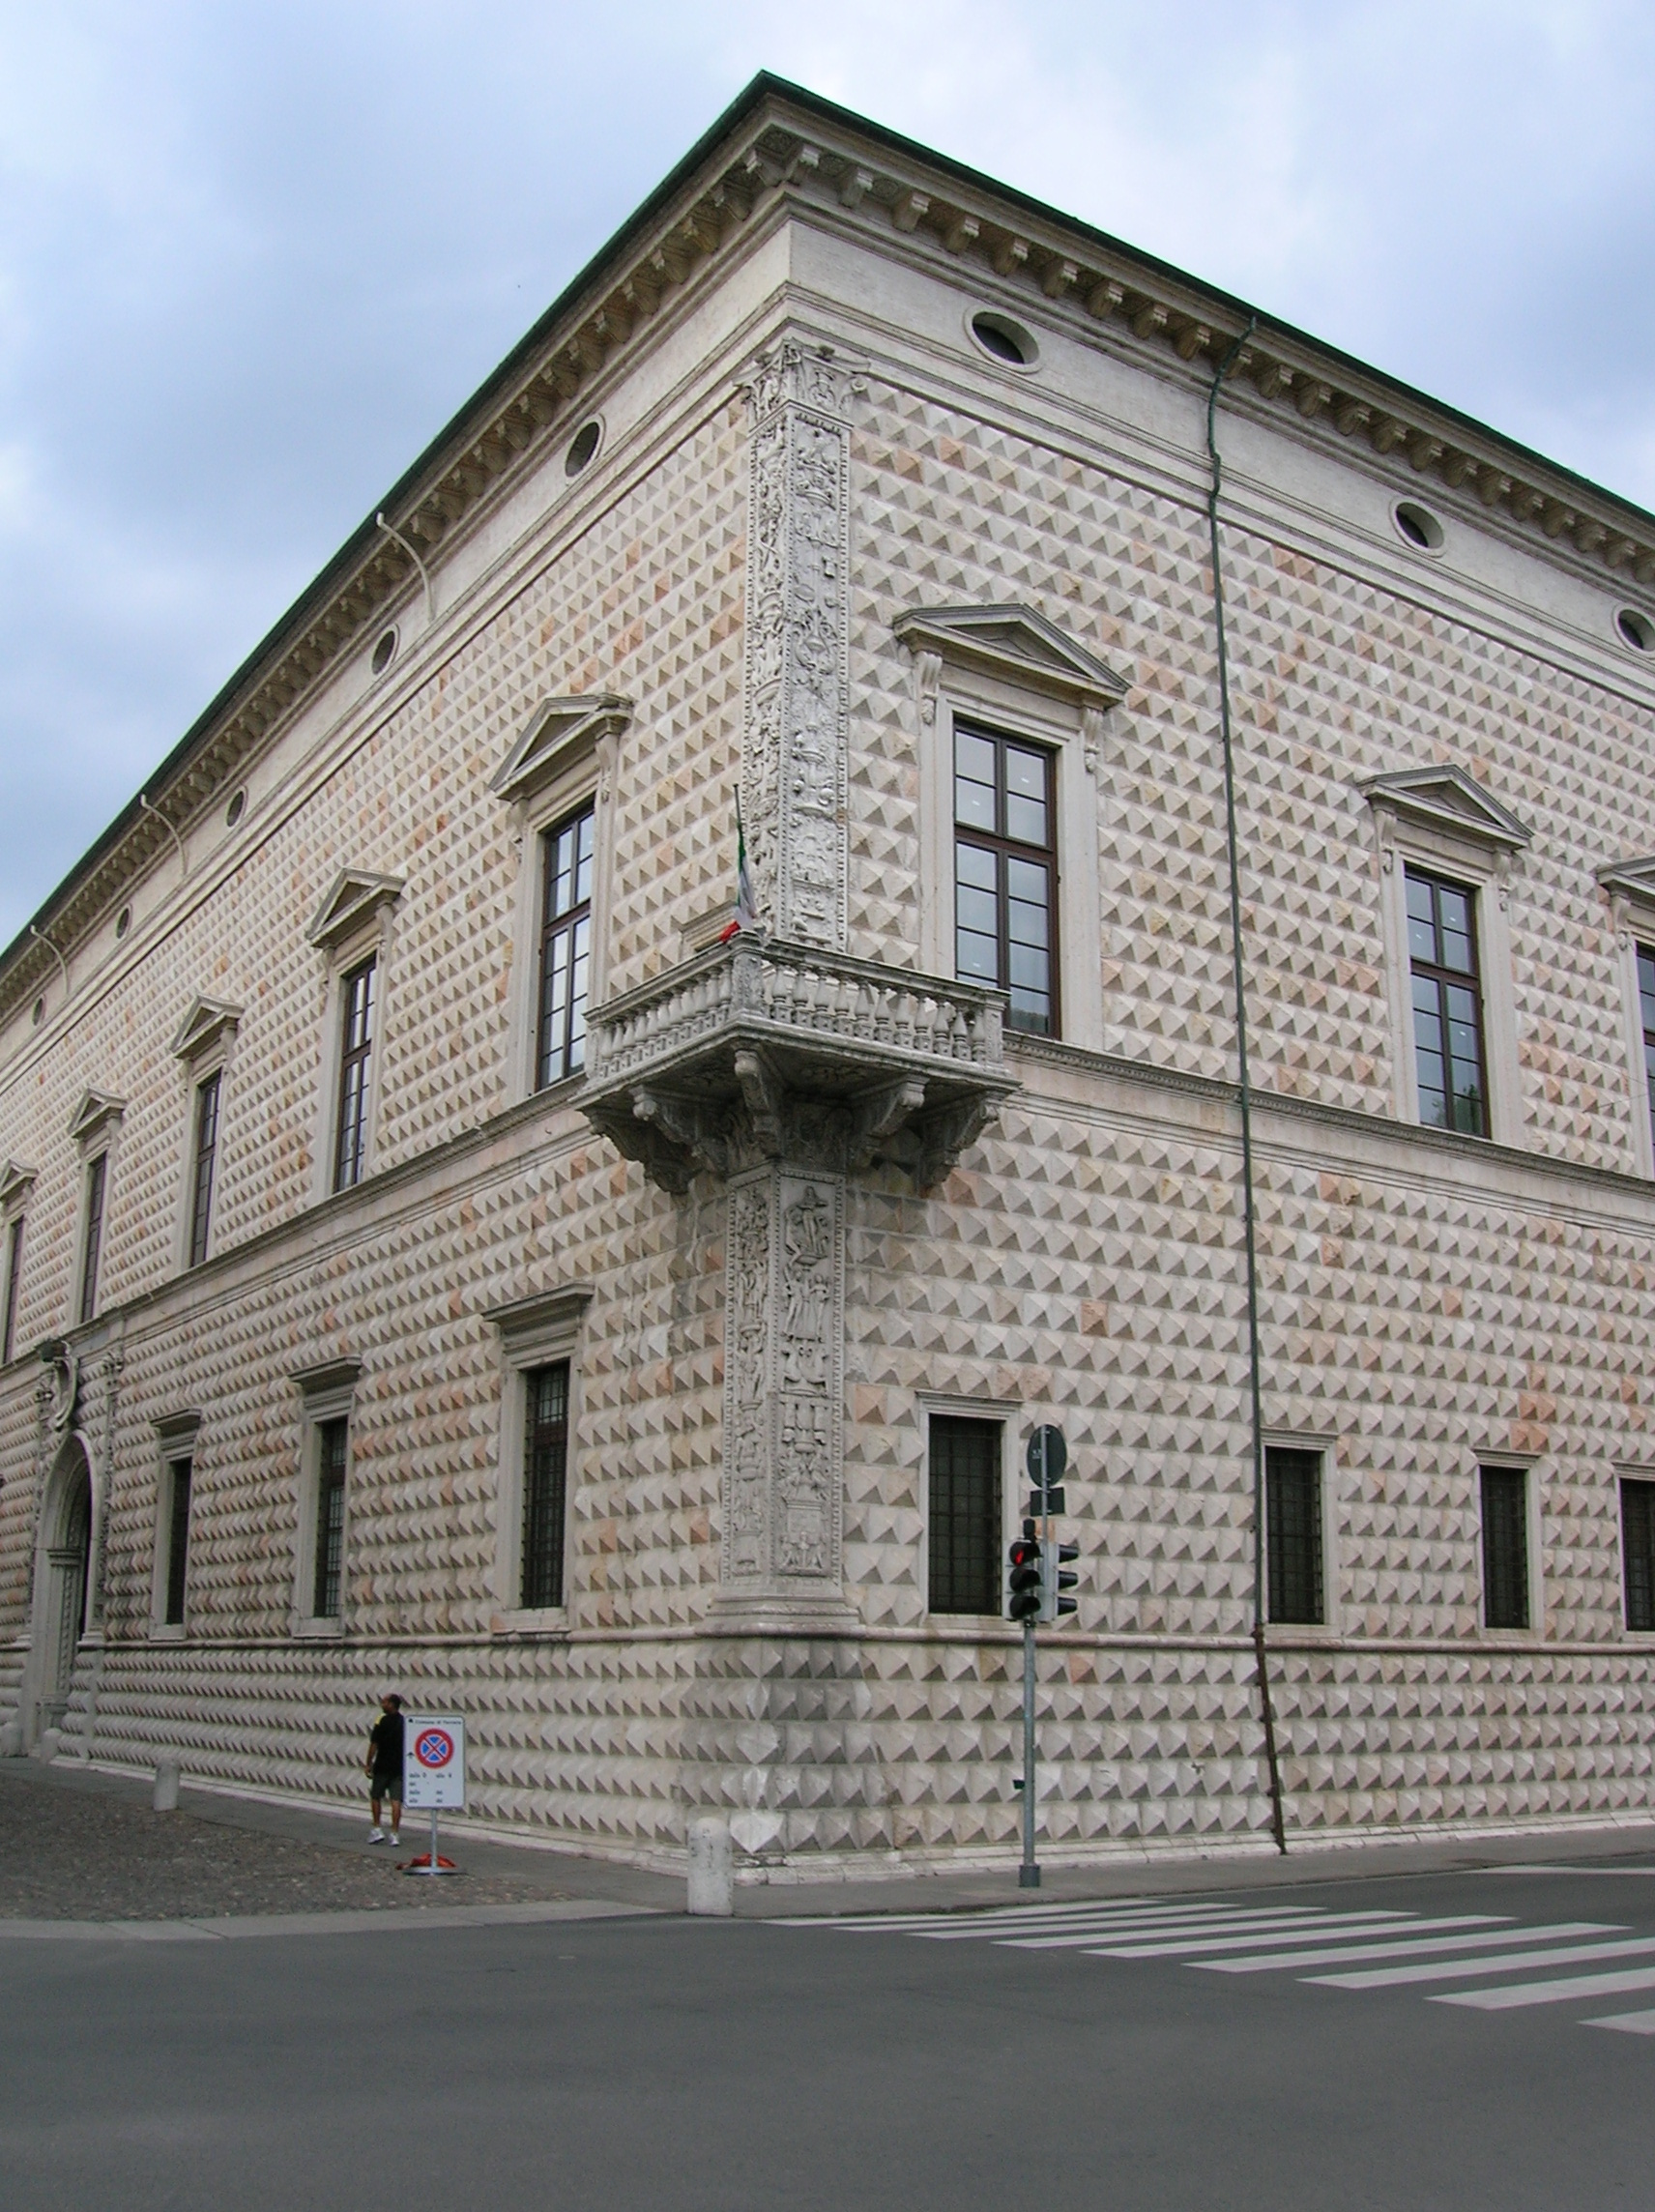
(386, 1784)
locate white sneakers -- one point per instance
(376, 1835)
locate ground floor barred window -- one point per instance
(964, 1517)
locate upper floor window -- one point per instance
(13, 1287)
(356, 1055)
(566, 947)
(1005, 873)
(1646, 1022)
(92, 1235)
(1447, 1004)
(207, 1096)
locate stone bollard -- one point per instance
(12, 1741)
(45, 1751)
(166, 1798)
(711, 1888)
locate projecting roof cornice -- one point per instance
(1016, 643)
(778, 146)
(1447, 799)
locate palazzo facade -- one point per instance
(439, 1256)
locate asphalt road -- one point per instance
(659, 2063)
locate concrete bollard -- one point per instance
(712, 1886)
(166, 1798)
(12, 1741)
(45, 1751)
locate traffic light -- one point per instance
(1054, 1559)
(1027, 1601)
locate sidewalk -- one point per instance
(81, 1846)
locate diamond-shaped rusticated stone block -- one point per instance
(775, 1734)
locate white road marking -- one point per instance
(1629, 2022)
(1404, 1942)
(1552, 1993)
(1511, 1962)
(1090, 1931)
(1360, 1924)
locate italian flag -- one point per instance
(747, 906)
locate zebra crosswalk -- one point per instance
(1483, 1961)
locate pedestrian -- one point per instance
(383, 1767)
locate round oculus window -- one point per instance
(384, 652)
(1005, 340)
(1635, 630)
(40, 1013)
(583, 447)
(235, 809)
(123, 921)
(1417, 525)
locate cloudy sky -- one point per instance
(251, 257)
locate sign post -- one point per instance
(433, 1777)
(1033, 1565)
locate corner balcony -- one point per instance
(763, 1050)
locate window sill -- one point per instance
(544, 1620)
(319, 1631)
(168, 1632)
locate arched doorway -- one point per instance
(61, 1574)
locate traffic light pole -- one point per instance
(1028, 1874)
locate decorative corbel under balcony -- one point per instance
(760, 1049)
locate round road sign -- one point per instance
(434, 1747)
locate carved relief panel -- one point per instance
(793, 769)
(783, 1382)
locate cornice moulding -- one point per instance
(1014, 642)
(16, 1183)
(331, 1376)
(94, 1114)
(354, 897)
(1633, 880)
(1447, 800)
(207, 1021)
(556, 735)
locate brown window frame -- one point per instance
(1442, 979)
(357, 1005)
(561, 1054)
(209, 1099)
(91, 1234)
(1005, 850)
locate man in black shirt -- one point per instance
(383, 1767)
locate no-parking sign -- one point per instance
(434, 1763)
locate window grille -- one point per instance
(1505, 1548)
(1447, 1004)
(332, 1440)
(177, 1542)
(966, 1520)
(1637, 1550)
(545, 1478)
(1292, 1514)
(566, 947)
(1647, 1019)
(92, 1244)
(1005, 873)
(206, 1156)
(356, 1049)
